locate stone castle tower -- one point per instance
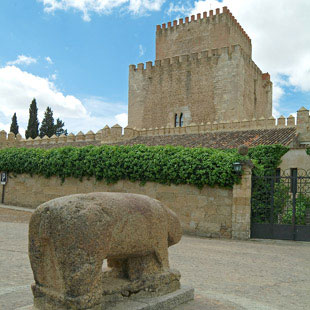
(203, 73)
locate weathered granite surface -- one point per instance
(166, 302)
(69, 238)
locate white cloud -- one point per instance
(102, 6)
(278, 93)
(179, 8)
(280, 37)
(18, 88)
(141, 50)
(140, 6)
(49, 60)
(122, 119)
(22, 60)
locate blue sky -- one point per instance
(74, 55)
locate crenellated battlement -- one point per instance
(213, 16)
(116, 134)
(205, 56)
(211, 30)
(193, 57)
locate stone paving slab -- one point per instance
(226, 274)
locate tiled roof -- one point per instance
(220, 139)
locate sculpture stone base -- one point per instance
(165, 302)
(111, 291)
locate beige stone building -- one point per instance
(203, 72)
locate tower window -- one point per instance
(176, 120)
(181, 120)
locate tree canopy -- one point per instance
(59, 128)
(32, 130)
(48, 126)
(14, 126)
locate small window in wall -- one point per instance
(181, 120)
(176, 120)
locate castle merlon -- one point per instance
(266, 76)
(204, 17)
(203, 55)
(207, 54)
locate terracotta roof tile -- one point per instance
(220, 139)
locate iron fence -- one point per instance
(281, 205)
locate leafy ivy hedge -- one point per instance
(161, 164)
(267, 158)
(308, 151)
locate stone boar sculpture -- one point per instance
(70, 237)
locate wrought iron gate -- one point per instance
(281, 206)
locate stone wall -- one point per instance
(241, 210)
(210, 212)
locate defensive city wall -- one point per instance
(110, 135)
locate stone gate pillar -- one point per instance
(241, 210)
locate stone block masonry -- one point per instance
(208, 212)
(218, 85)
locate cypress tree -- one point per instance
(59, 130)
(33, 123)
(47, 127)
(14, 125)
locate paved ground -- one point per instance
(227, 275)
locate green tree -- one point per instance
(33, 123)
(14, 125)
(47, 127)
(59, 128)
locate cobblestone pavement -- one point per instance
(226, 275)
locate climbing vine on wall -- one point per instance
(267, 158)
(161, 164)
